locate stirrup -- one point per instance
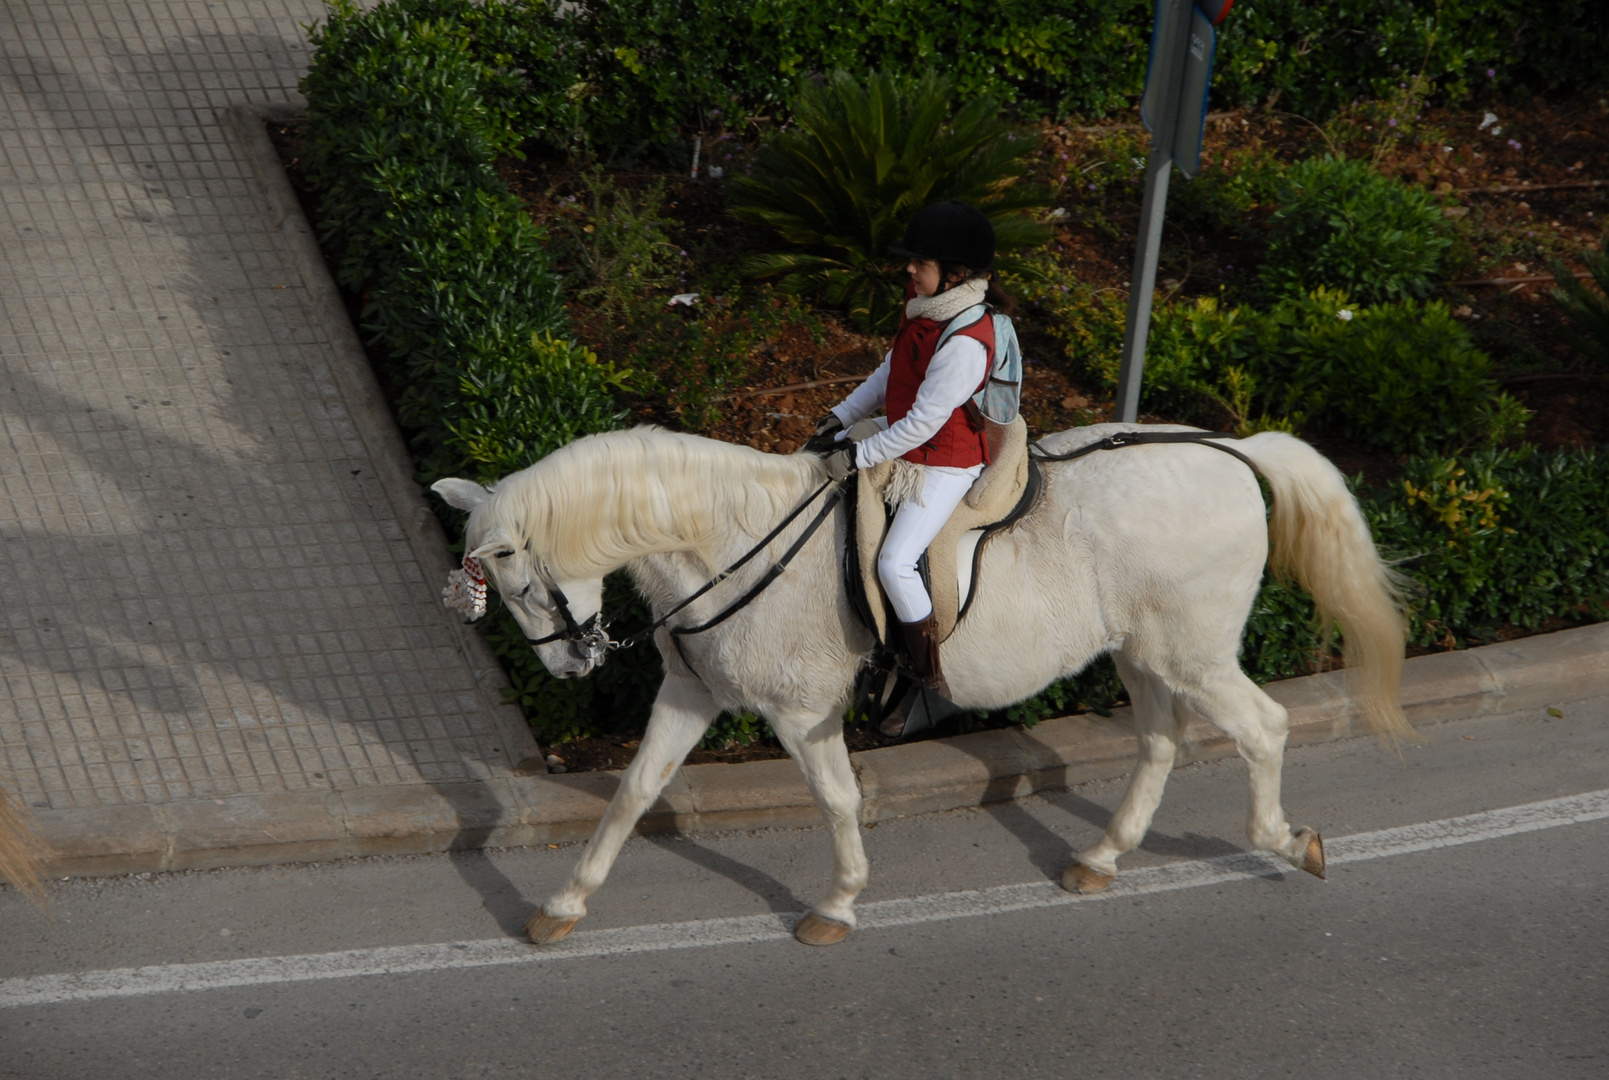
(920, 709)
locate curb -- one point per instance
(940, 774)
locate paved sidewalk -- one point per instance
(216, 579)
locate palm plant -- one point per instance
(840, 184)
(1588, 309)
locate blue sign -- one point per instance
(1178, 77)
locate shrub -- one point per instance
(401, 120)
(653, 73)
(407, 114)
(621, 241)
(1499, 537)
(513, 403)
(1402, 376)
(1343, 225)
(862, 157)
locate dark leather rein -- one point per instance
(590, 639)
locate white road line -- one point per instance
(170, 978)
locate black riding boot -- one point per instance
(928, 702)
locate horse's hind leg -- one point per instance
(682, 713)
(1258, 725)
(1157, 724)
(817, 744)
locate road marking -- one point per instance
(398, 960)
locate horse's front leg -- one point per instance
(817, 744)
(682, 713)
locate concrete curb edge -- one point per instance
(939, 774)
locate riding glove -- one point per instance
(840, 463)
(824, 441)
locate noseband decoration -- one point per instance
(466, 589)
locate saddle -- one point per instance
(1002, 494)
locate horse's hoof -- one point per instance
(1079, 878)
(1313, 856)
(815, 929)
(544, 929)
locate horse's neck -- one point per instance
(719, 522)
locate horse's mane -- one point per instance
(604, 500)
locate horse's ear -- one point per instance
(463, 494)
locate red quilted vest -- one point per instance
(957, 444)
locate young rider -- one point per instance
(932, 422)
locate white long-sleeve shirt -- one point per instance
(955, 373)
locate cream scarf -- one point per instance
(944, 306)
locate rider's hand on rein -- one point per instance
(840, 463)
(825, 440)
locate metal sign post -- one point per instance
(1174, 109)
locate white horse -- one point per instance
(1151, 553)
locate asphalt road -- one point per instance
(1477, 949)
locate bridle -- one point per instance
(588, 640)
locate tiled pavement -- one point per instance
(207, 588)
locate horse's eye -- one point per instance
(504, 554)
(521, 594)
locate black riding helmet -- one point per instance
(949, 232)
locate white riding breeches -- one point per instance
(914, 526)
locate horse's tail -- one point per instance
(1318, 536)
(22, 851)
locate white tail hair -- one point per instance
(1317, 535)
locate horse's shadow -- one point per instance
(501, 898)
(1051, 852)
(509, 907)
(779, 897)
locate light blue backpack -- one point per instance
(1001, 396)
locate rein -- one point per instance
(1143, 438)
(591, 638)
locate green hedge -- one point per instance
(1402, 376)
(1319, 57)
(409, 108)
(628, 77)
(1495, 538)
(407, 117)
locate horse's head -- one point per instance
(560, 618)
